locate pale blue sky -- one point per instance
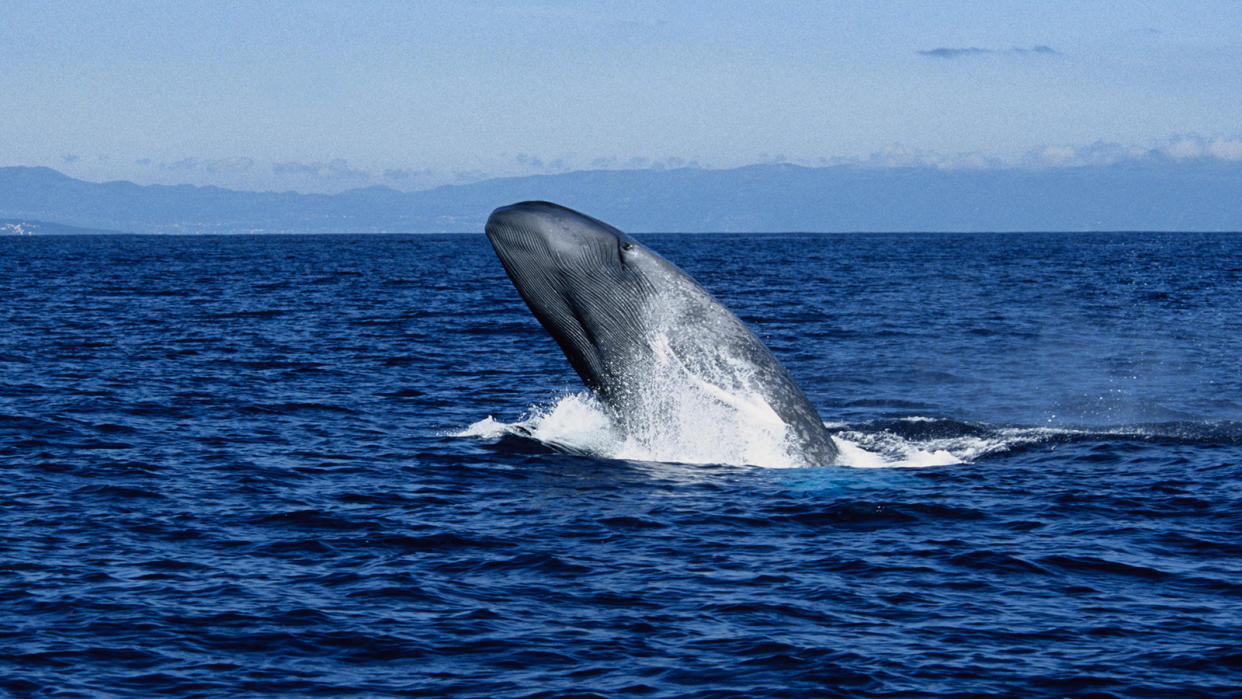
(320, 96)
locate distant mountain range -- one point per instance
(1204, 195)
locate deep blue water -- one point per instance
(263, 466)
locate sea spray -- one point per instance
(577, 423)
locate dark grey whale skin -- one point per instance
(593, 288)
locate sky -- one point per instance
(326, 96)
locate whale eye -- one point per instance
(627, 246)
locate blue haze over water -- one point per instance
(263, 466)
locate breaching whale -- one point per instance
(637, 330)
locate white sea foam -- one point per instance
(898, 453)
(898, 450)
(578, 424)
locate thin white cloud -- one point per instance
(1057, 155)
(967, 52)
(1184, 148)
(1226, 149)
(898, 155)
(1191, 147)
(1179, 148)
(402, 174)
(228, 165)
(337, 169)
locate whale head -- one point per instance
(586, 282)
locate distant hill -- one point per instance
(13, 226)
(1142, 195)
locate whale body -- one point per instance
(657, 350)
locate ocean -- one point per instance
(351, 465)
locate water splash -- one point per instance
(577, 424)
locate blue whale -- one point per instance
(643, 335)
